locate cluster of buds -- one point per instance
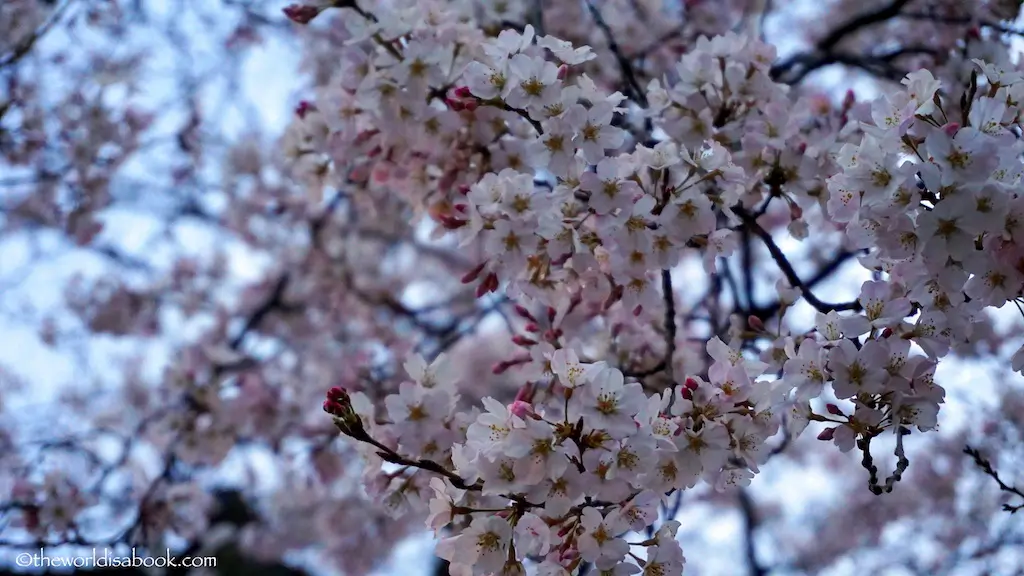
(339, 405)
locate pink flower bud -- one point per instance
(849, 99)
(562, 71)
(551, 314)
(520, 409)
(471, 105)
(691, 383)
(834, 410)
(301, 14)
(951, 129)
(462, 92)
(337, 394)
(304, 108)
(473, 274)
(524, 313)
(521, 340)
(827, 434)
(755, 323)
(525, 393)
(492, 282)
(887, 333)
(500, 368)
(531, 327)
(456, 105)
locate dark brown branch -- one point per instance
(628, 74)
(787, 269)
(986, 467)
(750, 525)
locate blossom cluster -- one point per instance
(575, 462)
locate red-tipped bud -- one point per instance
(687, 394)
(492, 282)
(301, 14)
(333, 408)
(337, 394)
(849, 99)
(500, 368)
(525, 393)
(473, 274)
(827, 434)
(887, 333)
(521, 340)
(471, 105)
(562, 71)
(834, 410)
(520, 409)
(452, 223)
(454, 104)
(524, 313)
(462, 92)
(304, 108)
(951, 129)
(551, 314)
(637, 311)
(531, 327)
(691, 383)
(755, 323)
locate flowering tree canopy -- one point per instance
(564, 270)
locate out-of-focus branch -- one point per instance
(628, 74)
(824, 52)
(22, 49)
(750, 525)
(986, 466)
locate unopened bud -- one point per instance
(691, 383)
(524, 313)
(531, 327)
(473, 274)
(887, 333)
(755, 323)
(849, 99)
(452, 223)
(562, 71)
(304, 108)
(827, 434)
(471, 105)
(951, 129)
(454, 104)
(551, 314)
(834, 410)
(337, 394)
(521, 340)
(462, 92)
(520, 409)
(301, 14)
(500, 368)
